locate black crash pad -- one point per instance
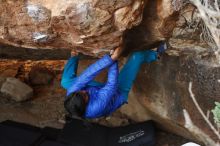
(16, 134)
(80, 133)
(77, 132)
(50, 133)
(141, 134)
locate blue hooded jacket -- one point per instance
(103, 98)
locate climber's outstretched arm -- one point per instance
(69, 73)
(90, 73)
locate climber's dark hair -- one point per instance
(75, 105)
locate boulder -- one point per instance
(40, 75)
(92, 27)
(162, 88)
(16, 90)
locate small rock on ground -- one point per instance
(16, 90)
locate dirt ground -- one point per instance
(46, 106)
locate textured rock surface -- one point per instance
(94, 26)
(159, 20)
(11, 70)
(40, 75)
(162, 88)
(16, 89)
(9, 52)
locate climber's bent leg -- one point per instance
(129, 72)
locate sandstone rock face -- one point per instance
(94, 27)
(11, 52)
(162, 88)
(40, 75)
(159, 20)
(16, 89)
(90, 26)
(10, 70)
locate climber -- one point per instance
(90, 99)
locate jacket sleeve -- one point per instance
(98, 105)
(89, 74)
(69, 73)
(111, 85)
